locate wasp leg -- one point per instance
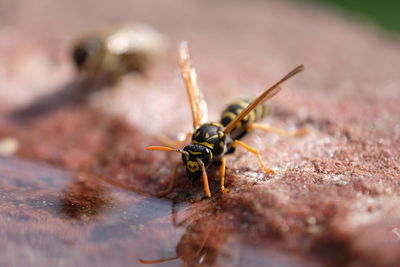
(171, 183)
(222, 173)
(174, 143)
(205, 184)
(255, 152)
(267, 127)
(205, 178)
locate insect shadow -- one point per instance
(75, 92)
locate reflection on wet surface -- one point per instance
(47, 211)
(200, 244)
(83, 220)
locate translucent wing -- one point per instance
(196, 98)
(263, 97)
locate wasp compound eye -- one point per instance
(196, 152)
(191, 160)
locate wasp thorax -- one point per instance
(198, 157)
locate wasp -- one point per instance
(115, 51)
(211, 141)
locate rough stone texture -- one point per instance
(333, 201)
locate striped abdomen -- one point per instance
(231, 112)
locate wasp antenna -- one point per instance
(165, 148)
(296, 70)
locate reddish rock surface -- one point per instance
(79, 190)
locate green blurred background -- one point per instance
(385, 13)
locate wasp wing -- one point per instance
(197, 102)
(263, 97)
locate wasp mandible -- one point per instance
(211, 141)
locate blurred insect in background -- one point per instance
(101, 59)
(212, 141)
(113, 52)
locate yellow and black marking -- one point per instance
(234, 109)
(211, 141)
(210, 135)
(208, 144)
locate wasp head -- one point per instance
(196, 159)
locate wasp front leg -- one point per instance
(172, 181)
(282, 132)
(255, 152)
(222, 173)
